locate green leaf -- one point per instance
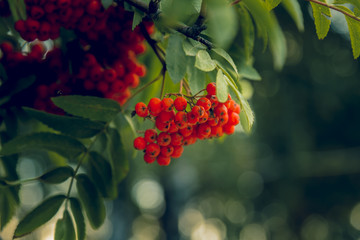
(94, 108)
(191, 47)
(354, 31)
(204, 62)
(106, 3)
(119, 161)
(321, 18)
(138, 16)
(57, 175)
(91, 200)
(64, 229)
(101, 174)
(247, 116)
(18, 9)
(294, 9)
(78, 217)
(8, 206)
(221, 87)
(267, 22)
(39, 216)
(226, 56)
(356, 3)
(176, 58)
(10, 88)
(270, 4)
(196, 77)
(248, 32)
(63, 145)
(73, 126)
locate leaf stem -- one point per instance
(335, 8)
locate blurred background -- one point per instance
(296, 176)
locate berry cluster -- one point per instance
(102, 61)
(177, 127)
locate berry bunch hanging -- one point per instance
(180, 122)
(103, 63)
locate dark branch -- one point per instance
(154, 13)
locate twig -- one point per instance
(191, 32)
(235, 2)
(153, 45)
(335, 8)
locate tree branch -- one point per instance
(191, 32)
(335, 8)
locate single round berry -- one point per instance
(163, 160)
(211, 88)
(163, 139)
(181, 119)
(178, 150)
(150, 135)
(234, 118)
(198, 111)
(141, 109)
(204, 130)
(176, 139)
(204, 102)
(229, 129)
(154, 106)
(166, 117)
(180, 103)
(149, 159)
(167, 104)
(187, 131)
(152, 150)
(166, 150)
(140, 143)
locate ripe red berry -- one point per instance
(216, 131)
(192, 119)
(187, 131)
(140, 143)
(180, 103)
(162, 126)
(234, 118)
(163, 160)
(228, 129)
(141, 109)
(154, 106)
(163, 139)
(89, 60)
(204, 130)
(36, 12)
(204, 118)
(198, 111)
(167, 104)
(237, 108)
(178, 150)
(166, 150)
(110, 75)
(181, 119)
(211, 88)
(166, 117)
(149, 159)
(223, 119)
(152, 150)
(173, 128)
(204, 102)
(176, 139)
(220, 110)
(132, 80)
(150, 135)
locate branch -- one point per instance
(154, 13)
(335, 8)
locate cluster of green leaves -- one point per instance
(322, 19)
(90, 140)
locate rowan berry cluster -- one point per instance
(181, 122)
(101, 61)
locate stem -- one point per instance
(162, 83)
(191, 32)
(335, 8)
(153, 44)
(235, 2)
(18, 182)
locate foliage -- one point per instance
(191, 52)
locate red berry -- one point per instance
(166, 150)
(181, 119)
(223, 119)
(110, 75)
(211, 88)
(162, 126)
(163, 139)
(178, 150)
(141, 109)
(204, 130)
(32, 24)
(140, 70)
(6, 47)
(140, 143)
(96, 73)
(237, 108)
(149, 159)
(176, 139)
(167, 104)
(192, 119)
(36, 12)
(150, 135)
(204, 118)
(102, 87)
(220, 110)
(216, 131)
(204, 102)
(89, 60)
(132, 80)
(154, 106)
(20, 26)
(173, 128)
(213, 121)
(153, 149)
(166, 117)
(180, 103)
(198, 111)
(63, 3)
(187, 131)
(229, 129)
(93, 7)
(234, 118)
(214, 100)
(163, 160)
